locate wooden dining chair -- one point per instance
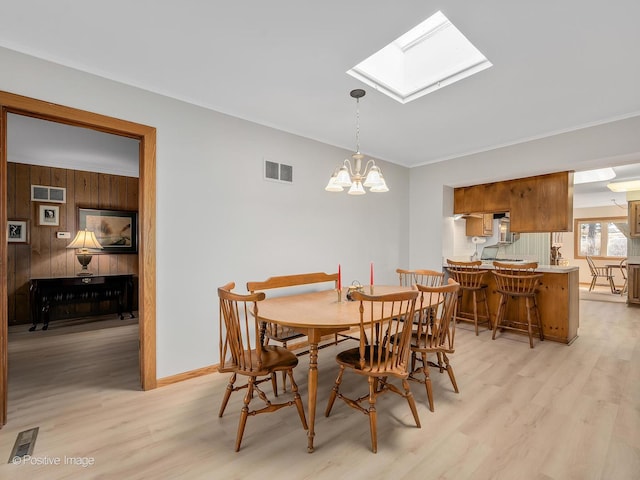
(406, 277)
(517, 284)
(600, 272)
(435, 334)
(471, 277)
(281, 333)
(377, 360)
(429, 278)
(244, 354)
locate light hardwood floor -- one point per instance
(555, 412)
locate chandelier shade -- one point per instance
(351, 175)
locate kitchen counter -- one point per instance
(633, 260)
(488, 265)
(541, 268)
(558, 301)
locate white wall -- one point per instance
(210, 187)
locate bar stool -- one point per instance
(470, 277)
(517, 282)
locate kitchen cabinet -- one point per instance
(497, 197)
(634, 218)
(479, 225)
(543, 203)
(633, 285)
(468, 199)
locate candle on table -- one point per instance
(371, 275)
(339, 278)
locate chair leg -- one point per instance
(227, 394)
(593, 282)
(427, 381)
(297, 399)
(539, 320)
(449, 370)
(334, 392)
(529, 326)
(373, 415)
(412, 402)
(274, 383)
(486, 308)
(475, 311)
(499, 315)
(244, 413)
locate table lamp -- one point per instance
(83, 242)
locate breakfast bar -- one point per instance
(558, 298)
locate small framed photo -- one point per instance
(18, 231)
(49, 215)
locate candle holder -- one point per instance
(339, 290)
(370, 289)
(354, 287)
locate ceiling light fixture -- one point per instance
(629, 186)
(351, 175)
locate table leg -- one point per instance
(313, 389)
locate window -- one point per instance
(601, 237)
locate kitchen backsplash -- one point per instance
(530, 246)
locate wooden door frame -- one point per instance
(147, 211)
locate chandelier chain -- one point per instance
(357, 125)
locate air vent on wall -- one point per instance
(278, 172)
(42, 193)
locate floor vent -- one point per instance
(24, 444)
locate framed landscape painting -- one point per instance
(116, 230)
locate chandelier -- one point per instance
(351, 174)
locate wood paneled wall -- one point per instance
(46, 255)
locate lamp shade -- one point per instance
(84, 240)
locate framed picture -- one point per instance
(49, 215)
(18, 231)
(116, 230)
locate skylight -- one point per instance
(428, 57)
(589, 176)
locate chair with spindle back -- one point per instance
(435, 334)
(377, 359)
(471, 277)
(406, 277)
(597, 272)
(518, 282)
(244, 354)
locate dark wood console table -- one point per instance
(48, 292)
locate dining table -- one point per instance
(317, 314)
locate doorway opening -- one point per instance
(11, 103)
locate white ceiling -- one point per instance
(557, 65)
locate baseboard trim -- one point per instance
(199, 372)
(181, 377)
